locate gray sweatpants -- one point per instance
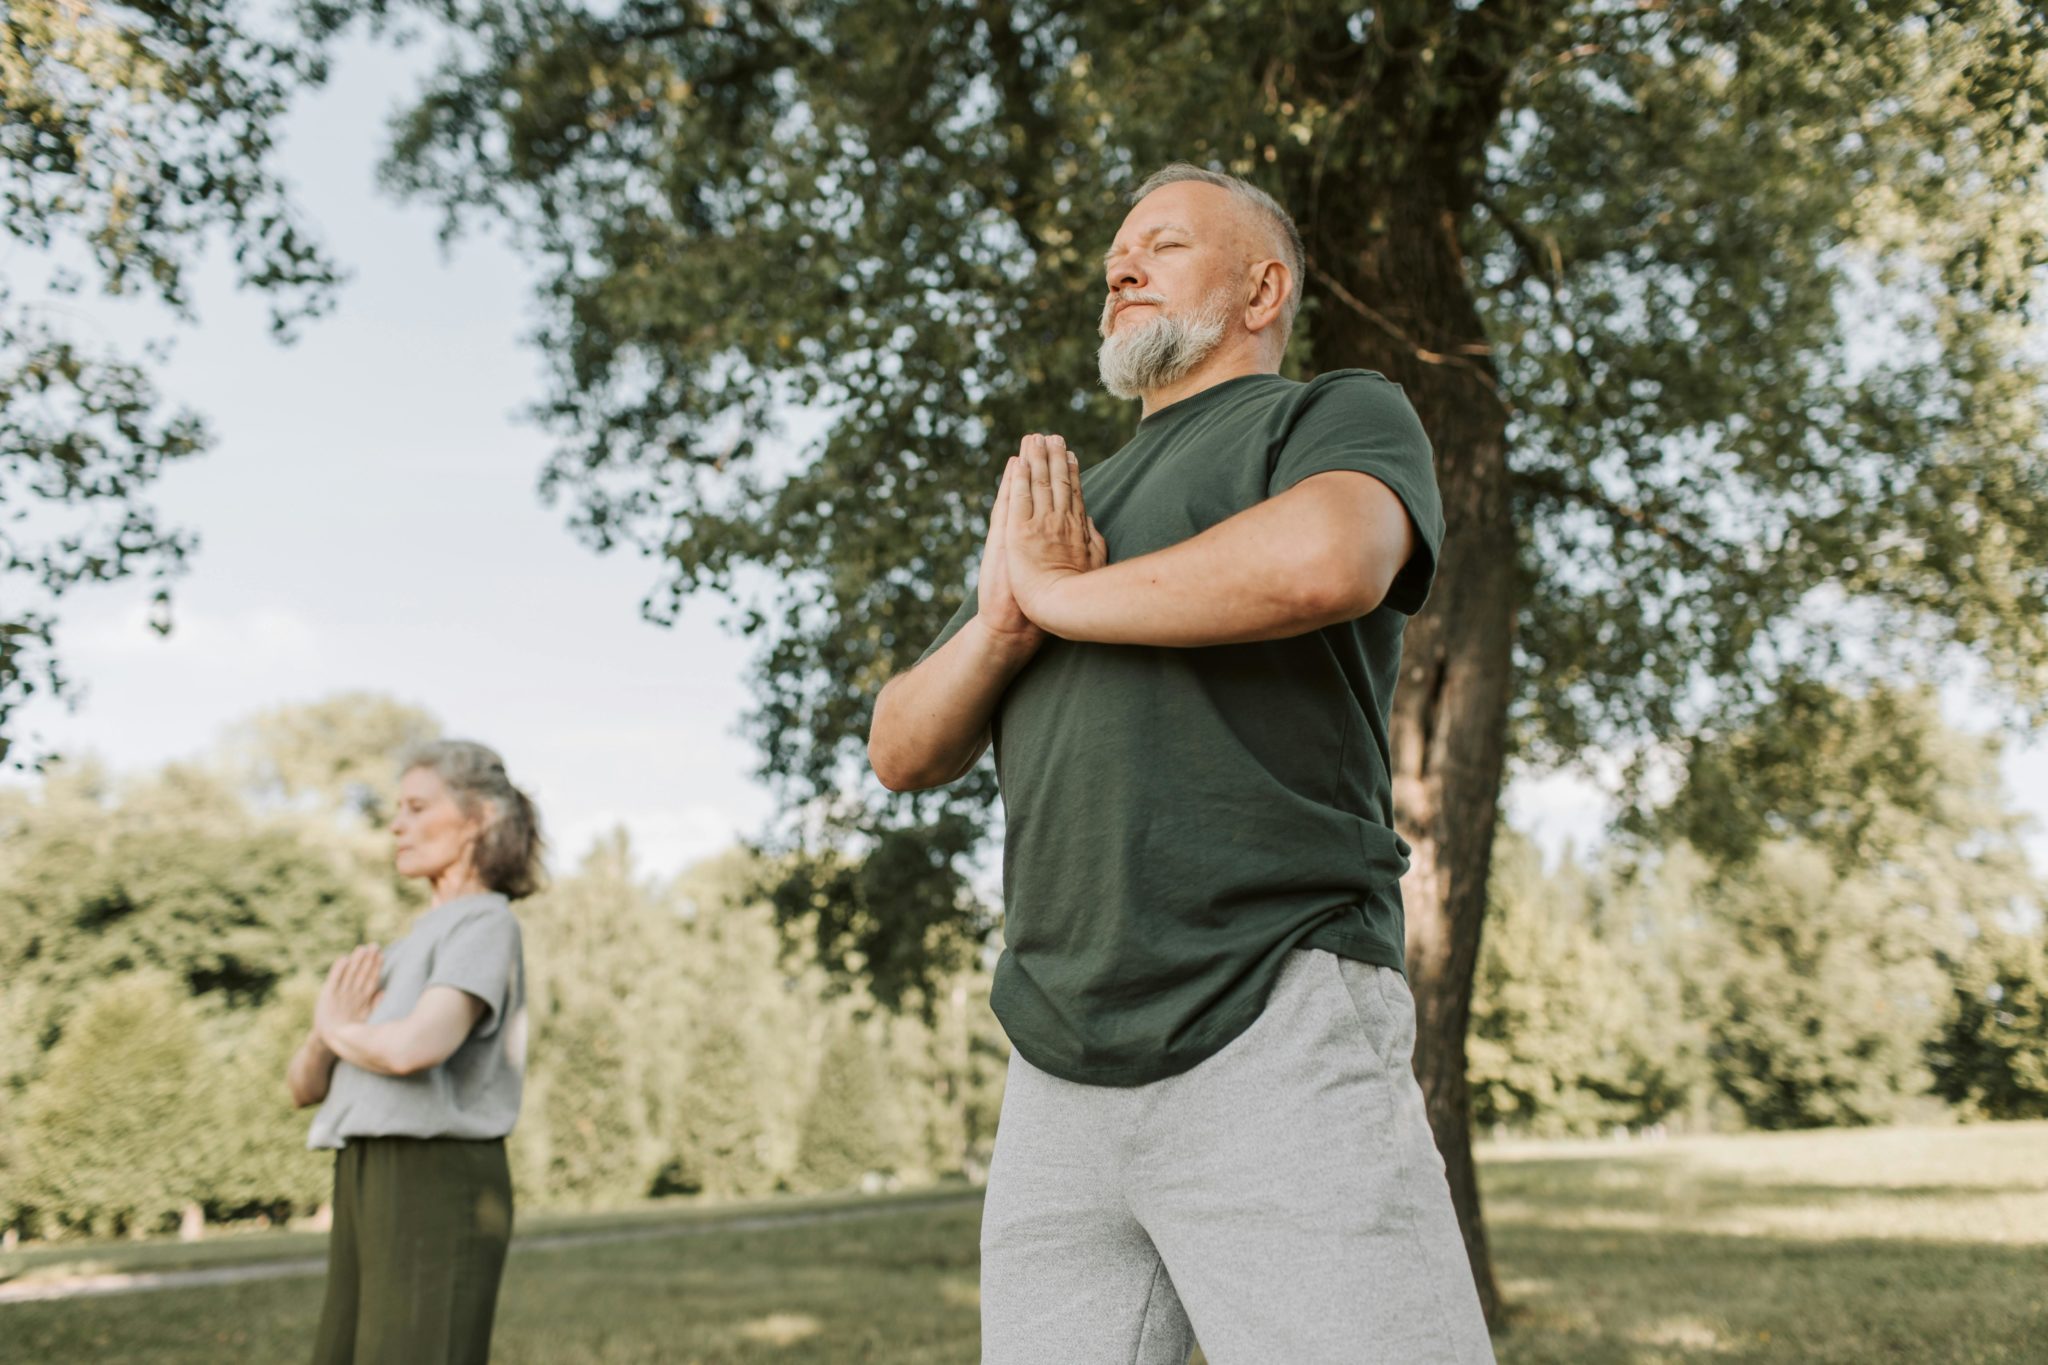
(1283, 1200)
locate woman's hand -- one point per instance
(352, 990)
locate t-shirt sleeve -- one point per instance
(961, 617)
(1359, 421)
(480, 956)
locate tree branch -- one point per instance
(1461, 358)
(1556, 485)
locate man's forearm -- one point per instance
(931, 723)
(1273, 571)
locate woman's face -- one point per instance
(431, 832)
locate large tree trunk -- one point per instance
(1398, 301)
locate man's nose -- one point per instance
(1125, 274)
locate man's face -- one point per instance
(1179, 246)
(1176, 287)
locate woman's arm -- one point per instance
(310, 1072)
(403, 1047)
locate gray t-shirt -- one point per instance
(473, 945)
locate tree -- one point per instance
(116, 1128)
(1991, 1056)
(134, 136)
(166, 875)
(1825, 996)
(340, 754)
(589, 1103)
(845, 1130)
(1717, 313)
(257, 1159)
(720, 1121)
(1571, 1033)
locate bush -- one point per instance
(1991, 1056)
(117, 1128)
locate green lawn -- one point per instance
(1910, 1245)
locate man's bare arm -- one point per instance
(1326, 550)
(931, 723)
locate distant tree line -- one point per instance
(1831, 922)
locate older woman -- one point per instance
(418, 1054)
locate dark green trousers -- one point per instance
(421, 1226)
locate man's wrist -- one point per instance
(1050, 599)
(1007, 650)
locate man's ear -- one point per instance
(1271, 285)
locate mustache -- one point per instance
(1122, 296)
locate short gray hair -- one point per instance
(1290, 236)
(508, 854)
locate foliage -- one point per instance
(1570, 1031)
(134, 136)
(721, 1122)
(341, 753)
(116, 1128)
(169, 875)
(1991, 1056)
(1835, 890)
(588, 1110)
(1825, 995)
(1754, 283)
(842, 1135)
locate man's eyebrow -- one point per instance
(1147, 236)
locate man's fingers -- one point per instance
(1060, 486)
(1098, 547)
(1001, 511)
(1017, 488)
(1041, 475)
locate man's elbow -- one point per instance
(1333, 587)
(899, 776)
(893, 767)
(889, 771)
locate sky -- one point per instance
(369, 519)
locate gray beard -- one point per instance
(1163, 351)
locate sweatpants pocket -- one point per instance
(1385, 1010)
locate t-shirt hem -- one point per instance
(334, 1142)
(1376, 952)
(1219, 1036)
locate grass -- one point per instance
(1919, 1246)
(1915, 1245)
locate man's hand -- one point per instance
(351, 991)
(997, 605)
(1049, 534)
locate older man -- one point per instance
(1211, 1126)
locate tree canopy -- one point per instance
(1756, 282)
(134, 136)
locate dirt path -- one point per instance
(137, 1282)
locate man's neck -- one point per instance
(1235, 364)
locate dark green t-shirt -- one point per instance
(1179, 820)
